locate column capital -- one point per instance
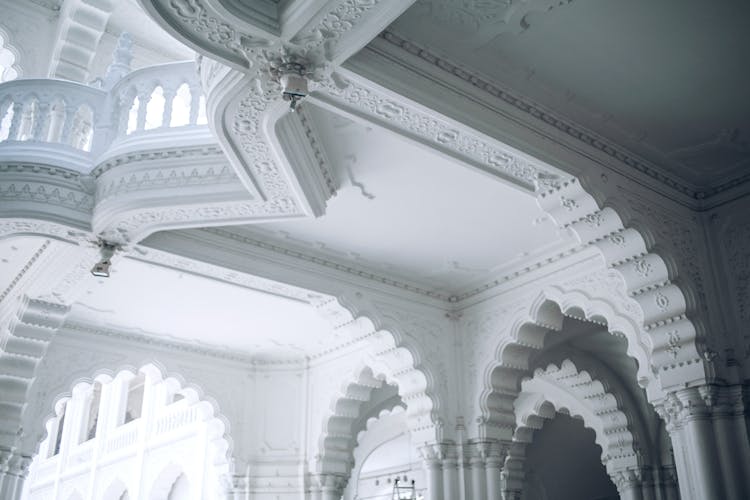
(329, 483)
(437, 452)
(631, 478)
(14, 464)
(705, 401)
(491, 452)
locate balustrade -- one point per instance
(122, 437)
(51, 111)
(88, 119)
(159, 97)
(175, 417)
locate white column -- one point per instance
(432, 456)
(710, 441)
(628, 484)
(13, 471)
(434, 471)
(478, 476)
(494, 488)
(450, 478)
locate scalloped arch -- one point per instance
(566, 386)
(338, 440)
(10, 56)
(525, 337)
(647, 276)
(158, 372)
(393, 354)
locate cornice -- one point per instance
(24, 270)
(530, 270)
(172, 344)
(571, 129)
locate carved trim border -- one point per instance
(571, 129)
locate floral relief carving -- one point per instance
(738, 255)
(433, 129)
(194, 14)
(618, 239)
(673, 343)
(568, 203)
(642, 267)
(662, 301)
(680, 237)
(334, 24)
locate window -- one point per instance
(134, 405)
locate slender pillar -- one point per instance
(432, 456)
(450, 478)
(712, 452)
(628, 484)
(13, 471)
(495, 458)
(478, 474)
(331, 487)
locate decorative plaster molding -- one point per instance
(537, 112)
(358, 98)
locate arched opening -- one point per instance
(133, 111)
(6, 118)
(155, 109)
(536, 363)
(171, 484)
(549, 470)
(384, 454)
(134, 421)
(181, 107)
(116, 491)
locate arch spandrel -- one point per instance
(646, 276)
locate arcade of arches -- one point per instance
(316, 249)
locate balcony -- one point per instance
(78, 127)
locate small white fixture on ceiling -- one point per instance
(101, 268)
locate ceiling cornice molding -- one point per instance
(317, 263)
(173, 344)
(625, 162)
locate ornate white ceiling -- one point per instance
(405, 211)
(146, 299)
(664, 80)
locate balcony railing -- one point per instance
(63, 115)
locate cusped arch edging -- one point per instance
(675, 354)
(525, 337)
(10, 51)
(566, 389)
(219, 426)
(339, 437)
(565, 386)
(389, 352)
